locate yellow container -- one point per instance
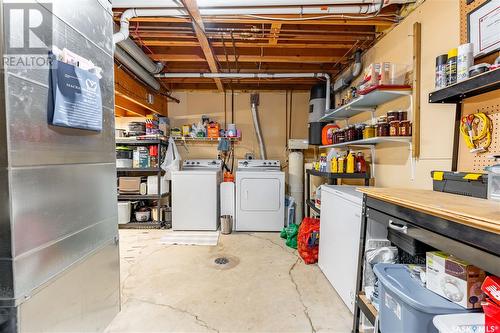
(368, 132)
(341, 164)
(334, 165)
(350, 163)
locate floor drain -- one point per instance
(221, 261)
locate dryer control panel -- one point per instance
(256, 165)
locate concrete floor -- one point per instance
(265, 287)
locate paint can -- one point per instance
(441, 71)
(464, 61)
(451, 67)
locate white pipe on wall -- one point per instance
(209, 7)
(256, 75)
(242, 3)
(254, 104)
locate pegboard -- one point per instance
(488, 104)
(464, 10)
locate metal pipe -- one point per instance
(345, 80)
(256, 76)
(138, 55)
(242, 75)
(208, 8)
(244, 3)
(137, 69)
(254, 101)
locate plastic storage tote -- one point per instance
(463, 323)
(405, 305)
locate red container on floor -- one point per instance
(308, 240)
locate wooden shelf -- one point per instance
(367, 307)
(371, 141)
(367, 102)
(473, 86)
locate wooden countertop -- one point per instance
(477, 213)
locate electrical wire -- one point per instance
(473, 141)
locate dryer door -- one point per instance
(260, 194)
(260, 200)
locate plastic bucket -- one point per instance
(226, 224)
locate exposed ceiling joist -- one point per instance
(275, 31)
(199, 29)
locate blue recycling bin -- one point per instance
(405, 305)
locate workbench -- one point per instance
(468, 228)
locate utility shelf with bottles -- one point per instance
(381, 83)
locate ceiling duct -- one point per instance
(124, 58)
(345, 80)
(138, 55)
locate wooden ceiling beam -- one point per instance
(126, 105)
(275, 31)
(128, 88)
(249, 58)
(199, 28)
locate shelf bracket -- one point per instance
(373, 156)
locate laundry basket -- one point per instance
(405, 304)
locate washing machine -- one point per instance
(195, 195)
(260, 196)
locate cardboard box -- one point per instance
(129, 185)
(454, 279)
(143, 157)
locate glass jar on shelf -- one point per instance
(382, 129)
(359, 131)
(369, 132)
(394, 128)
(350, 134)
(402, 115)
(405, 128)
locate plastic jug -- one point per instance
(334, 165)
(351, 163)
